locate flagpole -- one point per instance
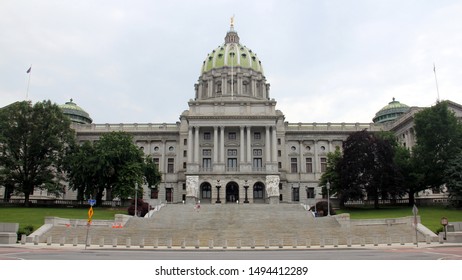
(28, 83)
(436, 81)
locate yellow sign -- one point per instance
(90, 214)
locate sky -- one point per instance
(137, 61)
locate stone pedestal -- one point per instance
(273, 200)
(191, 200)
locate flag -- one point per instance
(28, 70)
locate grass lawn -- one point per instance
(35, 216)
(430, 215)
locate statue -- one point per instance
(192, 186)
(272, 185)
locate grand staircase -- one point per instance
(231, 225)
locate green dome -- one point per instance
(392, 111)
(232, 54)
(75, 113)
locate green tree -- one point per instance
(453, 176)
(152, 176)
(114, 165)
(332, 174)
(34, 141)
(439, 139)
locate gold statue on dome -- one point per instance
(232, 22)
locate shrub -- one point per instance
(321, 208)
(27, 230)
(142, 208)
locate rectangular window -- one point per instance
(207, 163)
(323, 164)
(295, 194)
(257, 164)
(207, 152)
(310, 193)
(232, 136)
(279, 153)
(293, 165)
(207, 136)
(257, 152)
(185, 142)
(154, 193)
(257, 136)
(232, 163)
(184, 165)
(232, 152)
(185, 153)
(170, 165)
(309, 165)
(279, 141)
(280, 165)
(156, 162)
(184, 186)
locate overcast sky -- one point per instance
(137, 61)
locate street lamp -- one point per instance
(246, 187)
(328, 200)
(218, 186)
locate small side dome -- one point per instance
(391, 112)
(75, 113)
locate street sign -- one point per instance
(92, 202)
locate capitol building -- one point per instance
(233, 145)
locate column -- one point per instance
(242, 152)
(224, 85)
(190, 145)
(315, 159)
(267, 144)
(196, 144)
(163, 165)
(300, 157)
(274, 145)
(215, 145)
(222, 145)
(249, 145)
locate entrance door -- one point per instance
(232, 192)
(169, 194)
(206, 192)
(258, 193)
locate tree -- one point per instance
(332, 174)
(114, 165)
(34, 141)
(152, 176)
(453, 175)
(367, 167)
(439, 139)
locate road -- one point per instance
(396, 253)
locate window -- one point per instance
(184, 186)
(185, 153)
(232, 152)
(170, 165)
(232, 163)
(280, 165)
(295, 194)
(185, 142)
(156, 162)
(309, 165)
(207, 136)
(323, 164)
(207, 163)
(293, 165)
(232, 136)
(154, 193)
(171, 149)
(279, 153)
(310, 193)
(207, 152)
(258, 191)
(257, 152)
(256, 135)
(206, 192)
(279, 141)
(257, 164)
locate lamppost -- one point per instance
(218, 186)
(136, 200)
(246, 187)
(328, 198)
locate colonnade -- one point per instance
(244, 139)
